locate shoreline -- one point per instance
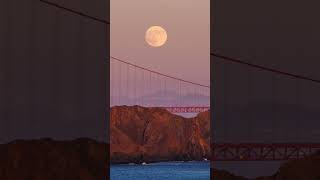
(154, 162)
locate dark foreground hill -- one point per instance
(45, 159)
(302, 169)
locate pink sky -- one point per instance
(187, 51)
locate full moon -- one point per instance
(156, 36)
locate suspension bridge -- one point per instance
(135, 85)
(143, 86)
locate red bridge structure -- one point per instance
(262, 151)
(138, 85)
(187, 109)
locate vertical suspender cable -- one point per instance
(196, 97)
(143, 87)
(135, 85)
(120, 84)
(127, 89)
(179, 98)
(165, 91)
(225, 134)
(298, 114)
(150, 86)
(273, 103)
(249, 120)
(111, 84)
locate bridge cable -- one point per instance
(213, 54)
(265, 68)
(75, 12)
(159, 73)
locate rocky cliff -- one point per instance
(141, 134)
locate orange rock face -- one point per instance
(141, 134)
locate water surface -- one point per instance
(162, 171)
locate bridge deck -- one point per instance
(262, 151)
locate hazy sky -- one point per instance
(187, 51)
